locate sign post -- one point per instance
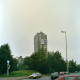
(8, 67)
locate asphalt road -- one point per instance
(42, 78)
(48, 77)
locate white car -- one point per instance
(35, 75)
(39, 75)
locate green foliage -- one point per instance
(48, 62)
(38, 61)
(19, 73)
(56, 62)
(72, 66)
(23, 67)
(15, 66)
(59, 63)
(26, 60)
(50, 65)
(5, 54)
(78, 67)
(22, 73)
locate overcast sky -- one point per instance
(20, 20)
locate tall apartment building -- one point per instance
(40, 40)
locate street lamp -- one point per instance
(66, 51)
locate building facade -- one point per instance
(20, 60)
(40, 40)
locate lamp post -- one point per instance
(67, 65)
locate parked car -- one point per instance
(66, 72)
(35, 75)
(61, 73)
(39, 75)
(54, 75)
(69, 77)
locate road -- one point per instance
(48, 77)
(42, 78)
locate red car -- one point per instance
(69, 78)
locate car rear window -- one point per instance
(69, 78)
(78, 78)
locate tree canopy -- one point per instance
(72, 66)
(46, 62)
(5, 54)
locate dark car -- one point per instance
(54, 75)
(69, 77)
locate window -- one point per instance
(78, 78)
(69, 78)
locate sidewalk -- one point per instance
(12, 78)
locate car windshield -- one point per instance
(34, 74)
(69, 78)
(78, 78)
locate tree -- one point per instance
(5, 54)
(38, 61)
(47, 62)
(56, 62)
(15, 61)
(72, 66)
(78, 67)
(50, 65)
(26, 64)
(26, 60)
(59, 63)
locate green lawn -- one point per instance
(19, 73)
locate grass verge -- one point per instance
(19, 73)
